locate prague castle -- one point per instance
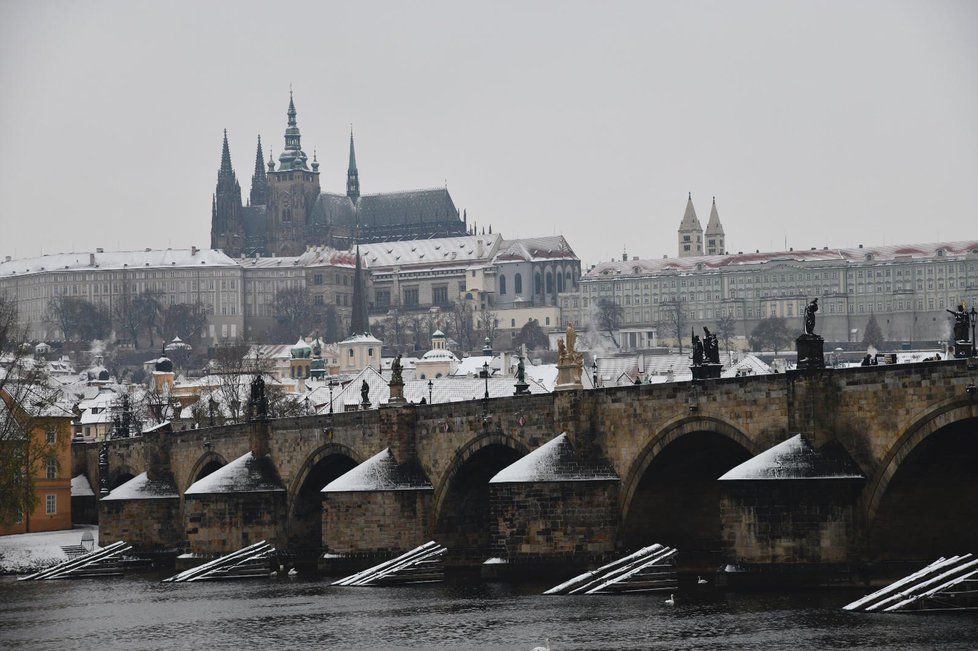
(287, 210)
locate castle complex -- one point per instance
(287, 211)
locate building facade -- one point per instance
(288, 211)
(907, 288)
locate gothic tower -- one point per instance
(227, 230)
(352, 175)
(690, 232)
(359, 323)
(259, 180)
(715, 244)
(292, 192)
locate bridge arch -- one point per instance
(205, 465)
(670, 494)
(305, 514)
(918, 501)
(460, 518)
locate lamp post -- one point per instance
(332, 383)
(594, 372)
(485, 374)
(431, 386)
(211, 408)
(305, 406)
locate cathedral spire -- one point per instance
(352, 175)
(259, 181)
(690, 232)
(292, 157)
(715, 244)
(226, 169)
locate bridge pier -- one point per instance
(239, 504)
(145, 511)
(553, 508)
(792, 511)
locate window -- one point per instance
(518, 283)
(383, 299)
(317, 279)
(52, 436)
(50, 504)
(52, 469)
(502, 285)
(439, 295)
(351, 353)
(411, 297)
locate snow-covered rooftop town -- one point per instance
(548, 326)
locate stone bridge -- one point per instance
(885, 469)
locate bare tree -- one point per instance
(294, 314)
(148, 309)
(394, 327)
(726, 329)
(461, 324)
(610, 316)
(184, 320)
(79, 319)
(488, 322)
(27, 397)
(673, 320)
(532, 336)
(234, 373)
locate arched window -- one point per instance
(560, 282)
(518, 283)
(550, 282)
(537, 289)
(502, 285)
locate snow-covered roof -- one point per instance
(554, 461)
(551, 247)
(365, 338)
(141, 487)
(445, 250)
(439, 354)
(246, 474)
(380, 472)
(887, 253)
(80, 487)
(87, 261)
(796, 458)
(749, 365)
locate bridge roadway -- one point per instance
(639, 464)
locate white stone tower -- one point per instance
(715, 244)
(690, 232)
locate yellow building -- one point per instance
(50, 439)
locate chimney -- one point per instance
(860, 246)
(7, 259)
(100, 250)
(193, 250)
(91, 259)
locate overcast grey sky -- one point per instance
(826, 123)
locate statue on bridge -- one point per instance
(697, 349)
(570, 363)
(711, 347)
(365, 395)
(397, 382)
(810, 346)
(810, 311)
(258, 401)
(964, 345)
(522, 388)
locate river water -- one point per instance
(139, 612)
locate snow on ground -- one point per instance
(23, 553)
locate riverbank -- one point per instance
(24, 553)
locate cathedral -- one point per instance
(287, 211)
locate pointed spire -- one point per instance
(226, 168)
(359, 323)
(690, 232)
(292, 157)
(352, 174)
(715, 244)
(259, 181)
(690, 220)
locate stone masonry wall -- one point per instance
(549, 521)
(150, 525)
(379, 523)
(222, 523)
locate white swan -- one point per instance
(671, 601)
(542, 648)
(701, 581)
(293, 572)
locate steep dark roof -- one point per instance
(391, 208)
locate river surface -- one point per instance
(138, 612)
